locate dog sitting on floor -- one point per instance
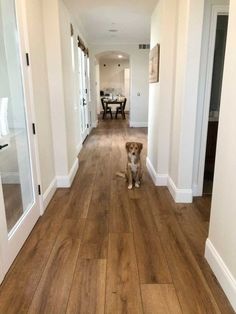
(134, 169)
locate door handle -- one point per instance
(84, 102)
(3, 146)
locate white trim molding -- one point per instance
(134, 124)
(158, 179)
(179, 195)
(95, 124)
(221, 271)
(48, 194)
(66, 181)
(79, 147)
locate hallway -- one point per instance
(100, 248)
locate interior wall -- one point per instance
(40, 91)
(173, 101)
(220, 250)
(139, 92)
(71, 100)
(56, 88)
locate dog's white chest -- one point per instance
(133, 165)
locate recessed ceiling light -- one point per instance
(120, 56)
(113, 30)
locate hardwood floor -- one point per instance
(100, 248)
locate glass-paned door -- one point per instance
(83, 94)
(19, 208)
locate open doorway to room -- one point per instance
(211, 102)
(113, 85)
(217, 75)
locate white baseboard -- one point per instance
(134, 124)
(158, 179)
(95, 124)
(222, 273)
(10, 178)
(48, 194)
(66, 181)
(179, 195)
(79, 147)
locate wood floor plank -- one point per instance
(152, 263)
(160, 299)
(137, 237)
(194, 231)
(95, 239)
(122, 287)
(192, 289)
(19, 286)
(53, 290)
(88, 289)
(120, 218)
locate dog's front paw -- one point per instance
(137, 185)
(130, 186)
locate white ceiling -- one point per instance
(112, 56)
(130, 17)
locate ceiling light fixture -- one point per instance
(113, 30)
(120, 56)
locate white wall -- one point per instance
(56, 88)
(70, 84)
(163, 25)
(220, 250)
(63, 87)
(177, 26)
(139, 61)
(40, 91)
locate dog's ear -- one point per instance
(140, 147)
(127, 145)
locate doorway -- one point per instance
(210, 84)
(19, 205)
(84, 93)
(113, 81)
(216, 86)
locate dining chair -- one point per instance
(119, 109)
(106, 109)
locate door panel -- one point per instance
(19, 209)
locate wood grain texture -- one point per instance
(98, 244)
(88, 288)
(95, 239)
(122, 291)
(152, 264)
(120, 217)
(54, 287)
(160, 299)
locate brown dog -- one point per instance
(134, 169)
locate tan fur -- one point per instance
(134, 168)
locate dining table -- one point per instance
(109, 101)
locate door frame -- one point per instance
(204, 106)
(29, 217)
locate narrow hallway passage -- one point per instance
(100, 248)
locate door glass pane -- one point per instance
(15, 166)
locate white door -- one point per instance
(19, 205)
(83, 94)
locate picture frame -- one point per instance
(154, 64)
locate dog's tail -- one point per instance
(121, 174)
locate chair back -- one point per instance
(103, 105)
(124, 103)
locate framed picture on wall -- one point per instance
(154, 62)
